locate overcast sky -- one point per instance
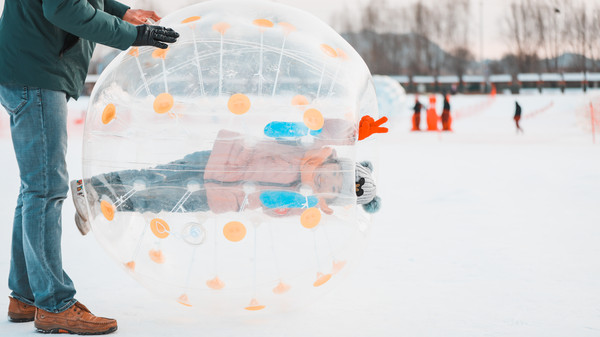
(493, 13)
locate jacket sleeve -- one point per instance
(115, 8)
(79, 18)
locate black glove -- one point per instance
(154, 36)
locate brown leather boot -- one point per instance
(19, 311)
(76, 320)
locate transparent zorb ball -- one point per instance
(205, 164)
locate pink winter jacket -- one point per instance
(266, 164)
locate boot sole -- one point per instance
(61, 330)
(75, 194)
(81, 225)
(20, 319)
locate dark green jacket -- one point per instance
(49, 43)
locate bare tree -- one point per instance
(522, 34)
(405, 37)
(576, 35)
(593, 38)
(374, 22)
(555, 28)
(419, 26)
(402, 38)
(461, 58)
(377, 15)
(373, 14)
(546, 15)
(456, 34)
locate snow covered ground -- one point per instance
(483, 232)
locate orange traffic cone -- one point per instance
(432, 117)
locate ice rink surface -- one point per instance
(483, 232)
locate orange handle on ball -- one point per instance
(369, 126)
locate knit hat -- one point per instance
(366, 189)
(363, 186)
(348, 189)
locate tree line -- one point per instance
(552, 36)
(441, 37)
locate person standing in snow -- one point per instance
(446, 118)
(416, 119)
(517, 116)
(47, 47)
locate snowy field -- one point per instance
(483, 232)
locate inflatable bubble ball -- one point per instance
(391, 96)
(221, 172)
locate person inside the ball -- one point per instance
(235, 173)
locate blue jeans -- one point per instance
(38, 123)
(166, 186)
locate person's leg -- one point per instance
(13, 98)
(414, 122)
(38, 128)
(194, 165)
(159, 188)
(18, 281)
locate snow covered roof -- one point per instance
(573, 77)
(551, 77)
(401, 78)
(423, 79)
(528, 77)
(448, 79)
(473, 79)
(593, 76)
(500, 78)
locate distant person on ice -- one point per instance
(517, 116)
(446, 119)
(416, 120)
